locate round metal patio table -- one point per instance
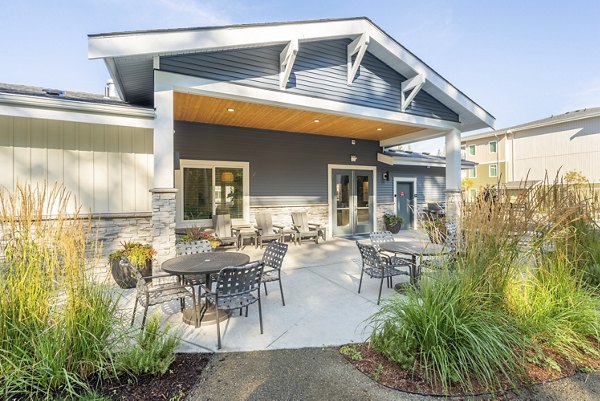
(207, 263)
(414, 249)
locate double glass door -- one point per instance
(352, 201)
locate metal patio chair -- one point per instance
(378, 238)
(224, 231)
(235, 289)
(304, 229)
(191, 248)
(158, 289)
(266, 231)
(377, 265)
(273, 260)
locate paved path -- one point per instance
(323, 374)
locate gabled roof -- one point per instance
(135, 50)
(552, 120)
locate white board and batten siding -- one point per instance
(107, 168)
(566, 146)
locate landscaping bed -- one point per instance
(175, 384)
(387, 373)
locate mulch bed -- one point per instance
(390, 374)
(173, 385)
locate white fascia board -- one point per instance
(70, 110)
(386, 159)
(433, 78)
(412, 137)
(400, 161)
(226, 90)
(129, 44)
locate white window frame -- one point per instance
(474, 170)
(472, 194)
(489, 143)
(474, 150)
(490, 170)
(186, 163)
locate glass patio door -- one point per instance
(352, 202)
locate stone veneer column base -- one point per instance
(163, 224)
(454, 211)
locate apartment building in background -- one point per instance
(528, 152)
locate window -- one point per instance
(472, 194)
(472, 150)
(493, 170)
(208, 188)
(472, 172)
(493, 146)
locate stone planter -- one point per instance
(124, 273)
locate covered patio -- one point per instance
(323, 308)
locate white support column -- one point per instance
(453, 192)
(163, 191)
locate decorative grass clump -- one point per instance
(55, 322)
(450, 333)
(524, 282)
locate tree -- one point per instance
(575, 177)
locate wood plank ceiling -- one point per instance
(213, 110)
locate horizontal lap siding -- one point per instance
(431, 183)
(107, 168)
(319, 71)
(285, 168)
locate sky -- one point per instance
(520, 60)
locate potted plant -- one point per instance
(135, 256)
(193, 234)
(392, 222)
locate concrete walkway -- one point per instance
(323, 308)
(323, 374)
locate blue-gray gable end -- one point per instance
(319, 71)
(291, 169)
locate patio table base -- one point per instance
(209, 318)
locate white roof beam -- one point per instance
(287, 57)
(357, 47)
(409, 89)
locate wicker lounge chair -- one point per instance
(235, 289)
(304, 229)
(273, 260)
(266, 231)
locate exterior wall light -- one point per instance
(353, 158)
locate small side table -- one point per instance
(288, 233)
(244, 234)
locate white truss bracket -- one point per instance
(358, 46)
(409, 90)
(286, 62)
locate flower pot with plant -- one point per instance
(194, 234)
(135, 256)
(393, 223)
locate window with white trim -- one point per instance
(207, 188)
(472, 172)
(472, 150)
(493, 170)
(493, 146)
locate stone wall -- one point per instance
(281, 215)
(163, 224)
(383, 208)
(112, 230)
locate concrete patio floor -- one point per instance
(323, 308)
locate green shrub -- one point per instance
(451, 331)
(152, 351)
(136, 253)
(56, 323)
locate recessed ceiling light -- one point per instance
(316, 120)
(230, 109)
(379, 129)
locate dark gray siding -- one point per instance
(431, 183)
(319, 71)
(291, 169)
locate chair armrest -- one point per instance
(161, 275)
(317, 225)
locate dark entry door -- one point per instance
(404, 203)
(352, 201)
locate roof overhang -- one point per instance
(17, 105)
(146, 45)
(398, 160)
